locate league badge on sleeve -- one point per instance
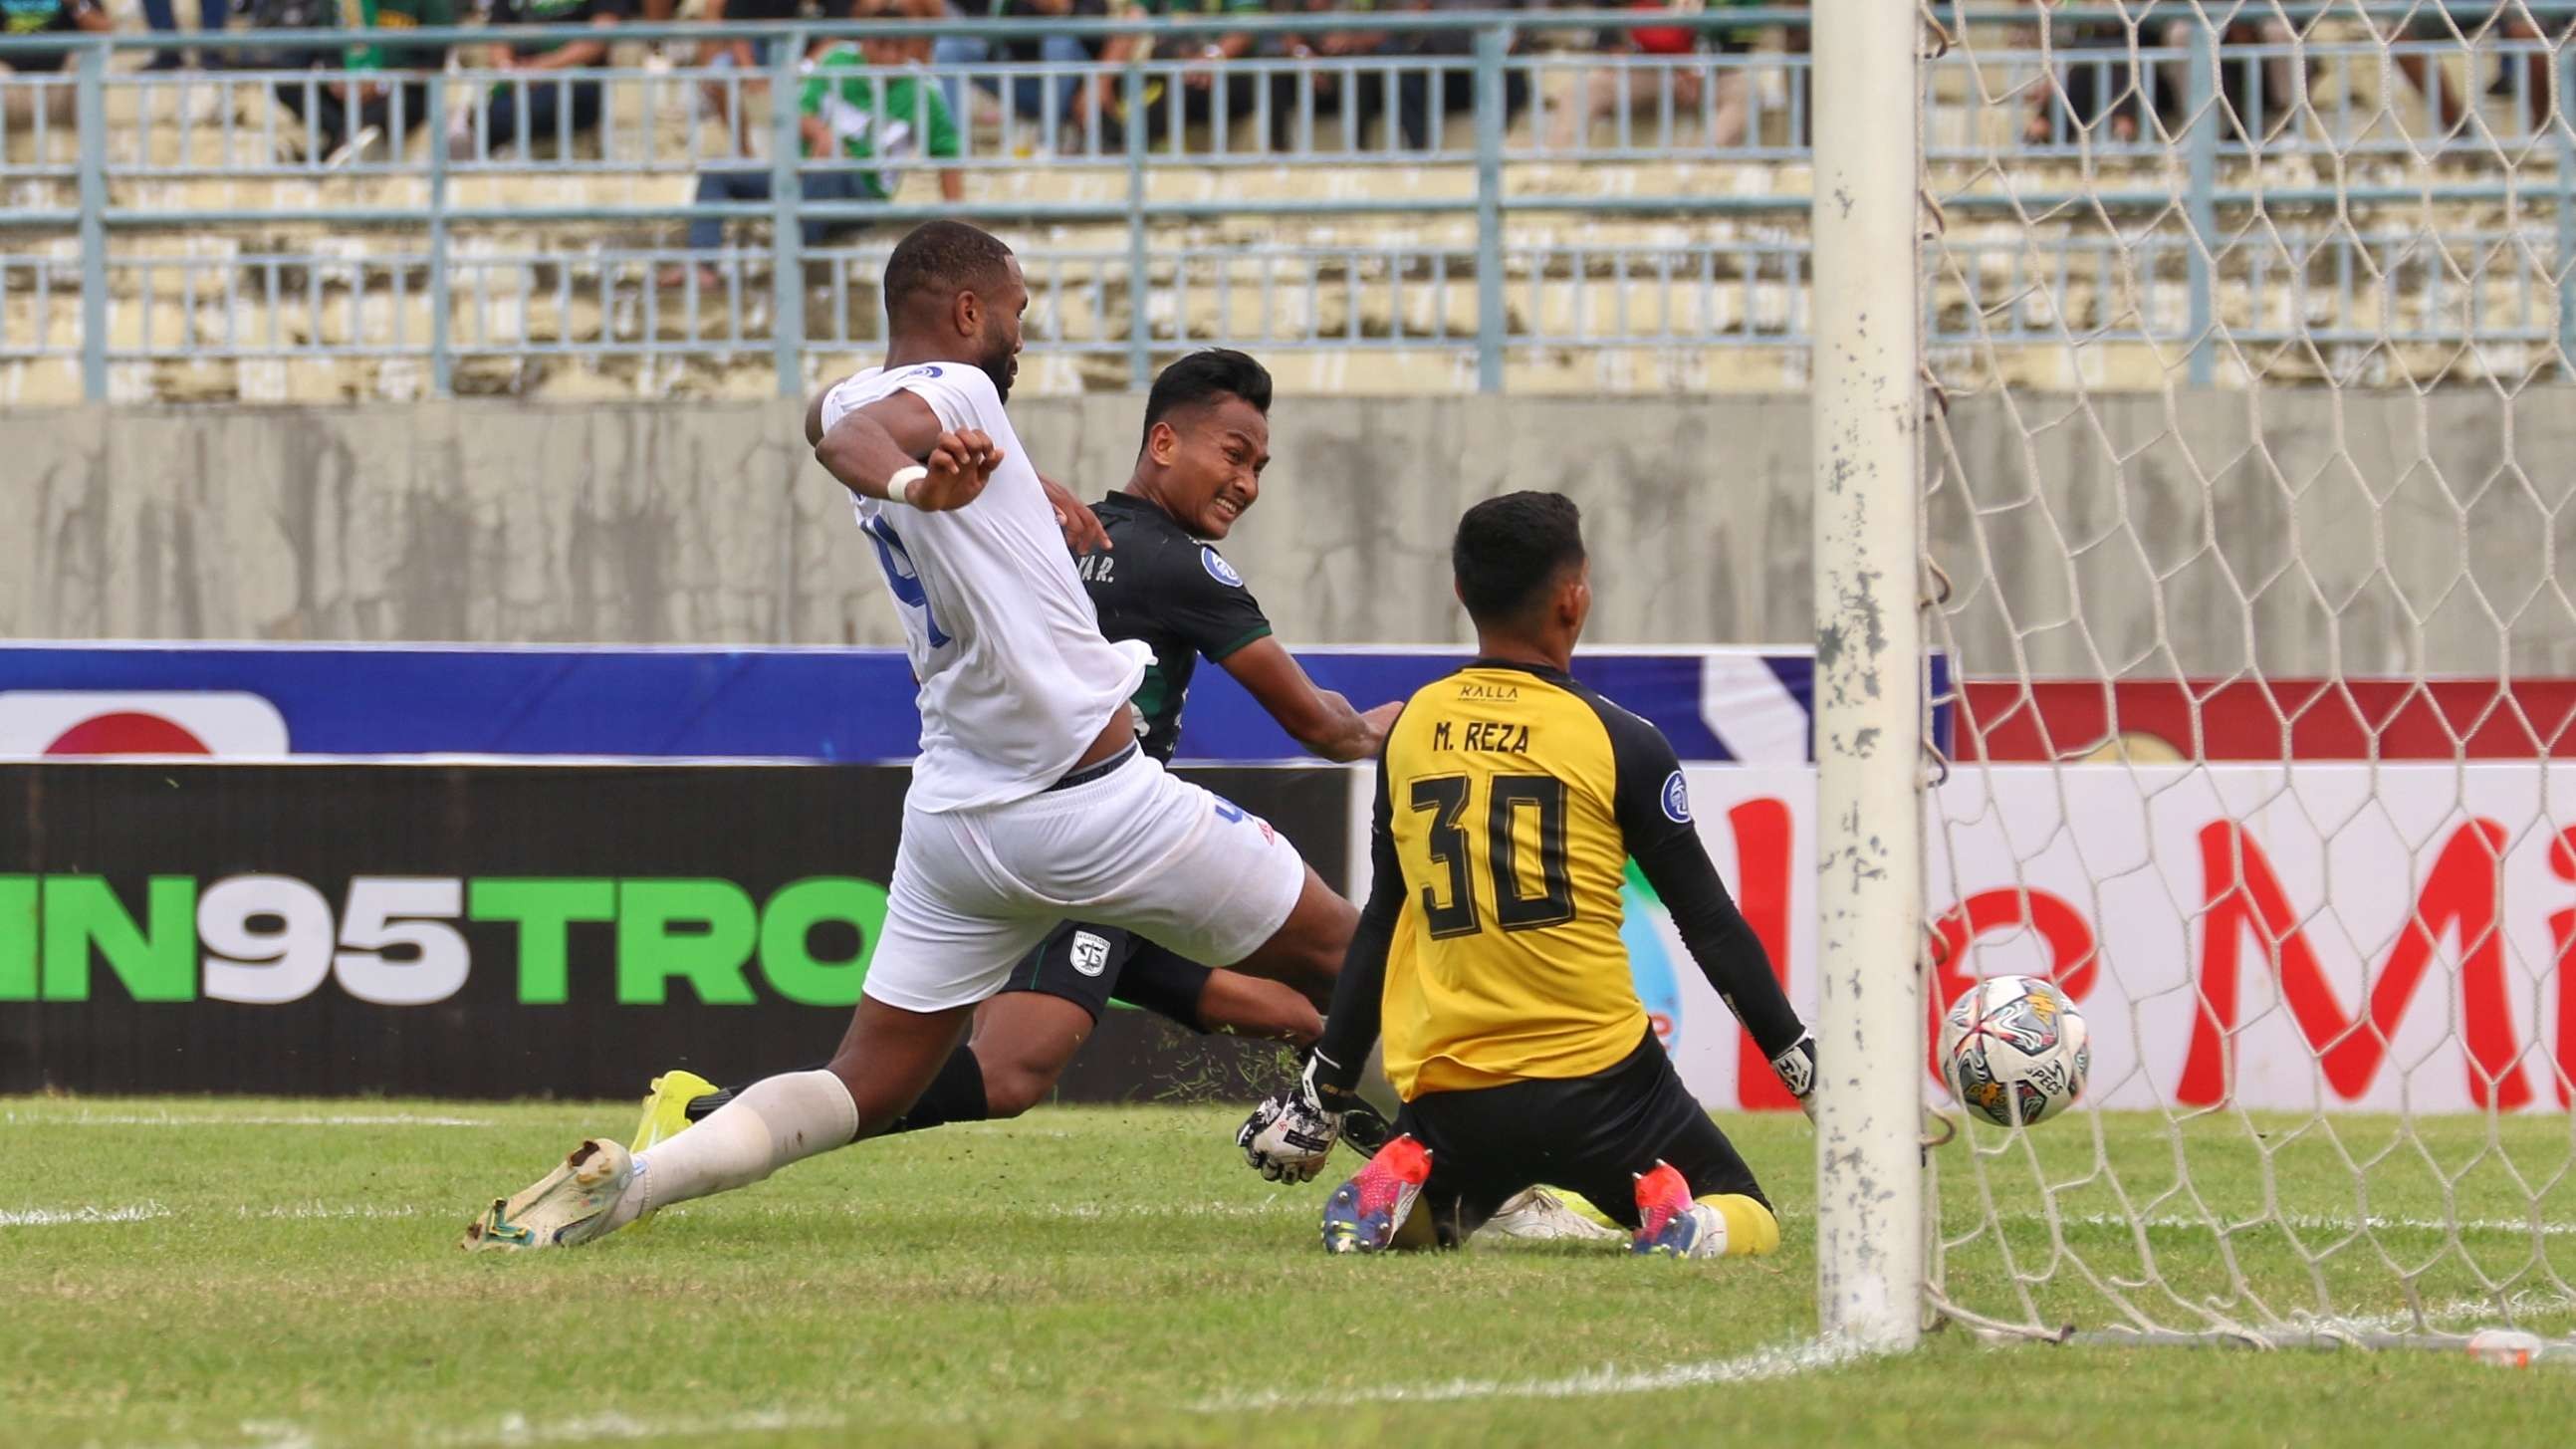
(1218, 569)
(1676, 799)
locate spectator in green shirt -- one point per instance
(19, 104)
(870, 105)
(352, 111)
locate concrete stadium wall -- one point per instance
(2372, 533)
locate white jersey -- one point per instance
(1015, 679)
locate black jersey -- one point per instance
(1159, 584)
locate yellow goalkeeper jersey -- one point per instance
(1509, 799)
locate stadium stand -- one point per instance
(1637, 221)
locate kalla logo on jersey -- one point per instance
(1218, 569)
(1090, 953)
(227, 723)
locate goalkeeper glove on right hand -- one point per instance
(1796, 1066)
(1288, 1136)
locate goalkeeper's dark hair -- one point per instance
(1205, 377)
(1510, 551)
(940, 259)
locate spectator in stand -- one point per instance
(163, 16)
(44, 17)
(1047, 99)
(746, 58)
(1367, 99)
(1603, 96)
(555, 106)
(1422, 96)
(2253, 113)
(353, 112)
(1210, 94)
(2091, 88)
(2094, 82)
(2462, 24)
(870, 105)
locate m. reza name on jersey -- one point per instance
(1482, 734)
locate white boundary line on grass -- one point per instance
(2455, 1311)
(518, 1431)
(143, 1212)
(307, 1211)
(513, 1430)
(81, 1216)
(2308, 1223)
(216, 1119)
(1784, 1361)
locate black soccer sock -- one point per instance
(955, 1095)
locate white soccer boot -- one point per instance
(1537, 1215)
(565, 1208)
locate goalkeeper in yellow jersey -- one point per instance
(1509, 801)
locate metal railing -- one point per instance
(2156, 251)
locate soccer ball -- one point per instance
(2015, 1050)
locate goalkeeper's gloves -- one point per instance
(1288, 1136)
(1796, 1065)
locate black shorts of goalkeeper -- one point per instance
(1591, 1135)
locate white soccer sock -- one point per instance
(771, 1123)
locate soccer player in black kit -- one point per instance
(1161, 580)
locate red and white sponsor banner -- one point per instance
(2295, 938)
(2270, 719)
(36, 723)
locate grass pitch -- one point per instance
(274, 1274)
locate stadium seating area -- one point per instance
(2449, 276)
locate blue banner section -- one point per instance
(845, 705)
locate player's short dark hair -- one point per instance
(939, 259)
(1203, 377)
(1510, 550)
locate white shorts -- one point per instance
(976, 890)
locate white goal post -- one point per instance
(2198, 384)
(1869, 652)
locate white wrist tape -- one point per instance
(902, 481)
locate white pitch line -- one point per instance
(145, 1212)
(2310, 1223)
(81, 1217)
(210, 1119)
(2455, 1311)
(1769, 1363)
(1087, 1211)
(515, 1430)
(1078, 1211)
(314, 1210)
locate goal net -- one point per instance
(2247, 468)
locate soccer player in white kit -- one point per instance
(1030, 802)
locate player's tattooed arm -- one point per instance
(1317, 718)
(870, 445)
